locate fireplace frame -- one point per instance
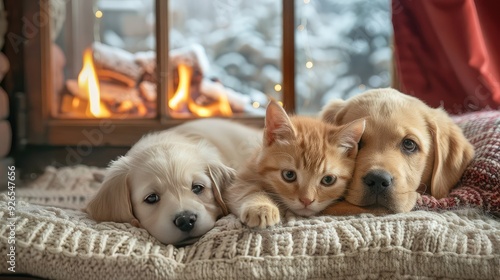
(43, 129)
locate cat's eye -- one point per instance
(328, 180)
(409, 146)
(289, 175)
(152, 198)
(197, 188)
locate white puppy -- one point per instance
(168, 182)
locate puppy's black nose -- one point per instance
(378, 180)
(185, 220)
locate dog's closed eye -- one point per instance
(197, 188)
(152, 198)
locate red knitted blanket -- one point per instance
(480, 183)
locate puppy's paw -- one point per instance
(260, 215)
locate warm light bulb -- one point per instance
(309, 65)
(256, 104)
(98, 14)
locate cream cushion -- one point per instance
(61, 243)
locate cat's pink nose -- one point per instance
(306, 201)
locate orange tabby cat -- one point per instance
(304, 165)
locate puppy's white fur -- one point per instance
(168, 164)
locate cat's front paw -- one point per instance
(261, 215)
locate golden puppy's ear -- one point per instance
(221, 176)
(452, 153)
(333, 111)
(112, 201)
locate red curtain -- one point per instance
(448, 52)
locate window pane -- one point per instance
(238, 47)
(118, 37)
(342, 48)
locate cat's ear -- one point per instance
(278, 127)
(349, 136)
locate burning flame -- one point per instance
(181, 98)
(89, 84)
(221, 108)
(181, 95)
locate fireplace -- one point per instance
(121, 68)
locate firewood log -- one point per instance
(116, 64)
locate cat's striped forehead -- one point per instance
(312, 143)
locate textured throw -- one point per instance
(64, 244)
(480, 183)
(66, 187)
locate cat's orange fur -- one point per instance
(316, 152)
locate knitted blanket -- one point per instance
(64, 244)
(67, 187)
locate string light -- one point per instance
(306, 59)
(256, 104)
(302, 27)
(277, 87)
(98, 14)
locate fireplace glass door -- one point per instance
(222, 58)
(103, 59)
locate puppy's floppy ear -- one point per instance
(222, 176)
(278, 126)
(112, 201)
(452, 153)
(349, 136)
(333, 111)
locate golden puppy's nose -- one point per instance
(185, 220)
(378, 180)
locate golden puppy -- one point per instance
(407, 148)
(168, 183)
